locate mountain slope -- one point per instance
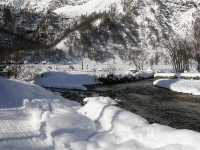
(99, 29)
(129, 25)
(40, 5)
(90, 7)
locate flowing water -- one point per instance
(157, 105)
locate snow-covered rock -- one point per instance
(106, 100)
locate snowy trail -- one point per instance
(17, 132)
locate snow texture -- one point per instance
(64, 80)
(34, 118)
(180, 85)
(106, 100)
(89, 7)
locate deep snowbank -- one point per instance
(68, 128)
(180, 85)
(120, 129)
(64, 80)
(14, 92)
(60, 79)
(97, 125)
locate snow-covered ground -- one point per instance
(24, 110)
(189, 85)
(77, 80)
(62, 76)
(60, 79)
(178, 75)
(180, 85)
(34, 118)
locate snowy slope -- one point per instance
(14, 92)
(41, 5)
(27, 4)
(152, 20)
(44, 5)
(89, 8)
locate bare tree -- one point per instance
(156, 58)
(138, 57)
(180, 52)
(13, 65)
(111, 69)
(16, 67)
(196, 42)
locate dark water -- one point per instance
(157, 105)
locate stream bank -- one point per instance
(157, 105)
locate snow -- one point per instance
(130, 131)
(13, 92)
(106, 100)
(64, 80)
(37, 5)
(186, 18)
(180, 85)
(144, 73)
(89, 8)
(24, 109)
(96, 23)
(178, 75)
(68, 128)
(188, 85)
(34, 118)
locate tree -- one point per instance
(70, 51)
(111, 69)
(16, 67)
(138, 57)
(196, 42)
(180, 52)
(7, 17)
(156, 58)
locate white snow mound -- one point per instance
(64, 80)
(69, 128)
(180, 85)
(121, 130)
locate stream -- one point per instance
(157, 105)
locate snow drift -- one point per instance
(180, 85)
(44, 120)
(64, 80)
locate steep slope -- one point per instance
(40, 5)
(90, 7)
(124, 26)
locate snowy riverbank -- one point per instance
(59, 79)
(62, 79)
(32, 118)
(180, 85)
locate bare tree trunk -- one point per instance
(179, 51)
